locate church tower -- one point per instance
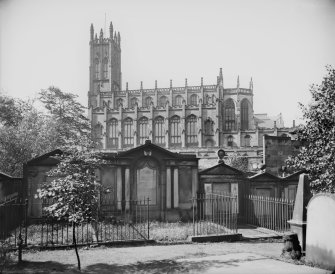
(105, 64)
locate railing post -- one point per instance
(148, 218)
(26, 221)
(193, 209)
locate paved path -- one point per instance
(245, 263)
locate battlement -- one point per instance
(114, 36)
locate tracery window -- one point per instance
(119, 103)
(230, 141)
(105, 68)
(247, 140)
(229, 115)
(194, 100)
(148, 100)
(159, 136)
(143, 130)
(96, 68)
(133, 102)
(175, 132)
(209, 127)
(98, 131)
(112, 133)
(162, 101)
(191, 130)
(178, 100)
(244, 115)
(128, 136)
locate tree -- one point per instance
(10, 110)
(317, 136)
(238, 162)
(74, 191)
(68, 114)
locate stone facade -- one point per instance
(200, 119)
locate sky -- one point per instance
(283, 45)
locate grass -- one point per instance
(170, 232)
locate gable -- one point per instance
(45, 159)
(263, 177)
(221, 169)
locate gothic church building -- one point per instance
(198, 119)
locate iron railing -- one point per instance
(120, 221)
(268, 212)
(214, 214)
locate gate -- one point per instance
(214, 214)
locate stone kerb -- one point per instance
(320, 238)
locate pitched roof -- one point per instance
(263, 176)
(45, 156)
(221, 169)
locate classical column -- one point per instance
(127, 187)
(175, 188)
(119, 187)
(168, 187)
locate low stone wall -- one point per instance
(320, 238)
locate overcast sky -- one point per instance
(283, 45)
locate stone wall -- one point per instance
(320, 238)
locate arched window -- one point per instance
(159, 136)
(96, 68)
(244, 115)
(230, 141)
(105, 67)
(143, 130)
(112, 133)
(119, 103)
(178, 100)
(194, 100)
(98, 131)
(247, 140)
(162, 101)
(175, 132)
(128, 136)
(229, 115)
(209, 127)
(133, 102)
(148, 100)
(191, 130)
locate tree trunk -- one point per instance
(75, 243)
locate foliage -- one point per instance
(26, 132)
(238, 162)
(317, 136)
(69, 115)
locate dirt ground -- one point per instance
(141, 259)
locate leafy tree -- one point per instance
(238, 162)
(69, 115)
(10, 111)
(74, 191)
(317, 136)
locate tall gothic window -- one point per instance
(105, 67)
(98, 131)
(191, 130)
(230, 141)
(175, 132)
(148, 100)
(178, 100)
(143, 130)
(133, 102)
(247, 141)
(128, 136)
(162, 101)
(112, 133)
(244, 114)
(194, 100)
(96, 68)
(209, 127)
(119, 103)
(229, 115)
(159, 136)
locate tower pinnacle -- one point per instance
(251, 87)
(92, 32)
(238, 81)
(111, 30)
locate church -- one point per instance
(189, 119)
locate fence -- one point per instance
(268, 212)
(119, 222)
(214, 214)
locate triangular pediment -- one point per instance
(46, 159)
(264, 177)
(149, 149)
(221, 169)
